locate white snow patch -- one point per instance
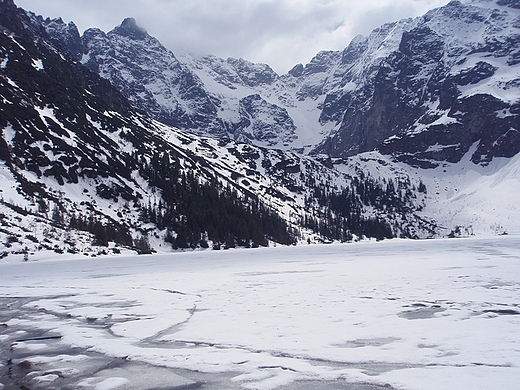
(38, 65)
(57, 359)
(443, 120)
(469, 195)
(12, 83)
(438, 148)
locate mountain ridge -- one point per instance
(400, 90)
(86, 168)
(440, 95)
(84, 171)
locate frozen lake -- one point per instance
(418, 315)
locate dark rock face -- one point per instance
(509, 3)
(150, 76)
(67, 34)
(253, 125)
(48, 119)
(130, 29)
(252, 74)
(445, 87)
(297, 70)
(314, 75)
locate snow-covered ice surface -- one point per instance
(421, 315)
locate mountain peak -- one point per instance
(130, 24)
(129, 28)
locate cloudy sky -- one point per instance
(281, 33)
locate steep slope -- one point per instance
(426, 90)
(170, 91)
(460, 199)
(150, 76)
(254, 102)
(474, 199)
(231, 98)
(77, 156)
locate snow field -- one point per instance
(419, 315)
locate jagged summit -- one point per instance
(297, 70)
(67, 34)
(129, 28)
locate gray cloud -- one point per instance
(281, 33)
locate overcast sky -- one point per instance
(281, 33)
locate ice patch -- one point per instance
(45, 379)
(28, 346)
(104, 384)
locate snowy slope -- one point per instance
(413, 88)
(280, 96)
(476, 199)
(150, 76)
(82, 170)
(462, 198)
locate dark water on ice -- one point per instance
(32, 359)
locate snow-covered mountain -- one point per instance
(422, 90)
(427, 90)
(85, 165)
(173, 92)
(231, 98)
(82, 169)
